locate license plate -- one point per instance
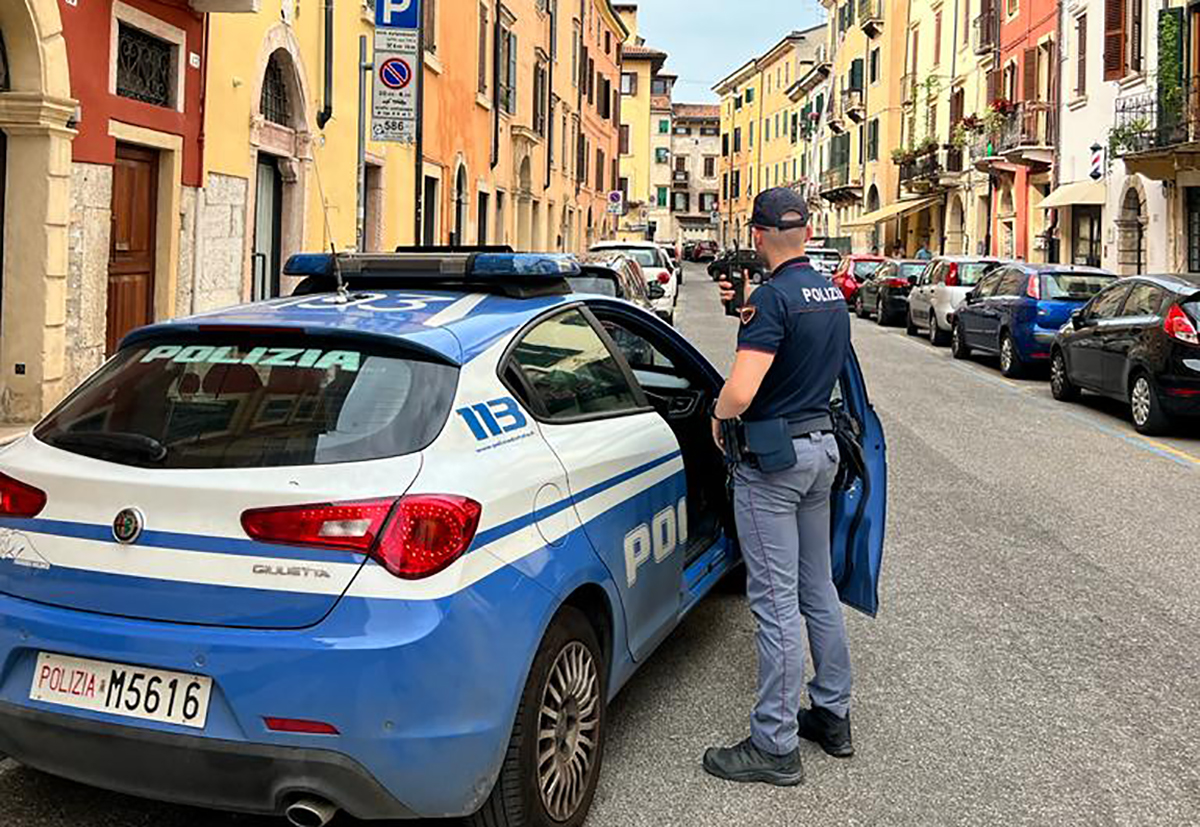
(130, 691)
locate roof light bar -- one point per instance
(444, 265)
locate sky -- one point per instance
(708, 39)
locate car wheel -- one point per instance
(549, 774)
(937, 336)
(910, 325)
(859, 309)
(958, 343)
(1010, 361)
(1148, 415)
(1061, 386)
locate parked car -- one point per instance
(655, 267)
(428, 538)
(884, 293)
(1136, 341)
(617, 275)
(940, 289)
(1016, 310)
(689, 250)
(851, 270)
(705, 251)
(825, 259)
(672, 252)
(739, 259)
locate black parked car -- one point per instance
(612, 273)
(884, 293)
(1136, 341)
(736, 260)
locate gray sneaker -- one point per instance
(747, 763)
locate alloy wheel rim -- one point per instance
(1057, 374)
(1141, 401)
(567, 724)
(956, 339)
(932, 327)
(1006, 354)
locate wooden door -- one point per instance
(132, 248)
(3, 186)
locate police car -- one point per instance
(388, 545)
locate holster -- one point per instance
(769, 442)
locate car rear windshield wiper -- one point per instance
(110, 445)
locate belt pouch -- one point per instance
(770, 441)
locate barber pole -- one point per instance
(1097, 171)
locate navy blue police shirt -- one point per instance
(801, 318)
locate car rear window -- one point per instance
(1071, 286)
(591, 283)
(970, 272)
(225, 401)
(863, 269)
(644, 257)
(909, 270)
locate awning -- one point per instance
(1080, 192)
(900, 208)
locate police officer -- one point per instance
(792, 344)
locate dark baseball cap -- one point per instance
(771, 205)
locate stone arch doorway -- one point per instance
(281, 141)
(525, 205)
(1131, 233)
(461, 207)
(35, 108)
(956, 227)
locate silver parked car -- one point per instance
(940, 289)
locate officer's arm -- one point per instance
(749, 368)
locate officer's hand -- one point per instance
(726, 288)
(716, 429)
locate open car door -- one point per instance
(859, 506)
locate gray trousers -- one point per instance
(783, 528)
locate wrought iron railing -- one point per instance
(1033, 124)
(954, 160)
(1167, 117)
(839, 177)
(986, 30)
(920, 169)
(143, 67)
(681, 176)
(869, 10)
(852, 99)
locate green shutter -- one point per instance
(512, 73)
(856, 74)
(662, 196)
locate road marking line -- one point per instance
(1162, 446)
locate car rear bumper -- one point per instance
(184, 769)
(1179, 395)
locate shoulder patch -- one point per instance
(748, 313)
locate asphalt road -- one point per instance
(1036, 659)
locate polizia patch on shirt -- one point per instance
(271, 357)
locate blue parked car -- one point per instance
(1016, 311)
(387, 546)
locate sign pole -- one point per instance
(361, 208)
(420, 137)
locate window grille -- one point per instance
(143, 67)
(275, 105)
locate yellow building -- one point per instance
(640, 67)
(740, 111)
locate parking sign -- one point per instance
(397, 14)
(394, 99)
(616, 202)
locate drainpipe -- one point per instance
(197, 242)
(326, 112)
(1056, 168)
(549, 90)
(496, 88)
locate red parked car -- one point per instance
(852, 270)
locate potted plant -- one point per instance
(903, 155)
(1003, 106)
(928, 146)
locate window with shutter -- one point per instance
(1029, 80)
(993, 85)
(1114, 39)
(1081, 55)
(937, 39)
(856, 74)
(1137, 37)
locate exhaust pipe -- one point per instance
(310, 812)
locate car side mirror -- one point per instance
(1079, 321)
(654, 290)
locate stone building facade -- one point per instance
(695, 170)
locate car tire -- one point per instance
(910, 325)
(937, 336)
(1148, 416)
(571, 655)
(860, 309)
(1061, 386)
(958, 343)
(1010, 360)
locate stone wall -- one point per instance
(87, 269)
(188, 227)
(221, 243)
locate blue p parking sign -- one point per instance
(397, 14)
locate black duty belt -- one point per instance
(812, 425)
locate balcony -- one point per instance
(1029, 133)
(853, 106)
(681, 178)
(820, 71)
(908, 88)
(953, 166)
(841, 185)
(870, 17)
(986, 33)
(1157, 134)
(921, 175)
(836, 122)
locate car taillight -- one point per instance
(897, 283)
(20, 500)
(952, 276)
(1179, 326)
(412, 537)
(664, 277)
(300, 726)
(1034, 288)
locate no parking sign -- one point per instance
(394, 99)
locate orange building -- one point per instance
(520, 123)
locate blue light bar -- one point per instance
(525, 264)
(309, 264)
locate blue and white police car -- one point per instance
(388, 545)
